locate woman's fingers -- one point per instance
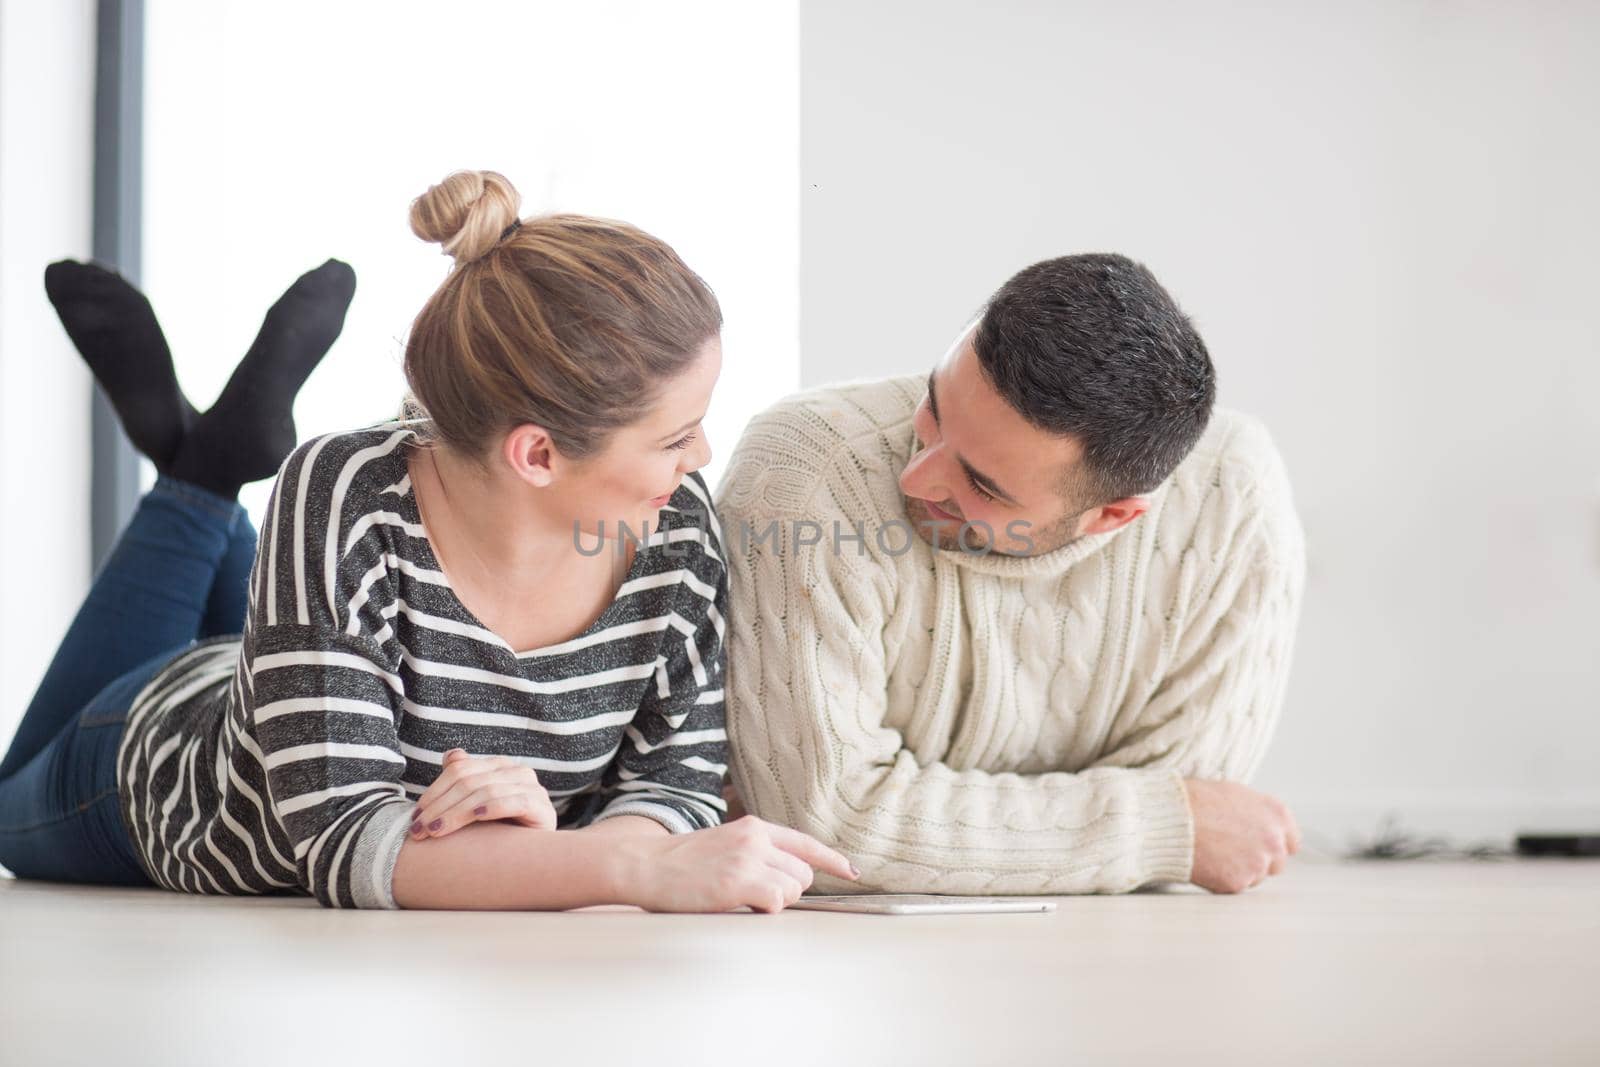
(794, 867)
(485, 789)
(516, 779)
(451, 792)
(534, 812)
(812, 851)
(772, 891)
(491, 803)
(452, 768)
(453, 810)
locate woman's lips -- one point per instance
(660, 501)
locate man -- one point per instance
(1022, 625)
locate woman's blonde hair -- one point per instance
(569, 322)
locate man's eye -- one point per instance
(980, 490)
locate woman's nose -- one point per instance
(696, 456)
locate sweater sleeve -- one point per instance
(323, 713)
(674, 754)
(815, 744)
(321, 697)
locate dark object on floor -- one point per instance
(1395, 843)
(1559, 845)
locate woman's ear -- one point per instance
(531, 454)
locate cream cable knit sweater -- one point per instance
(987, 724)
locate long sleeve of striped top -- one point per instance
(359, 668)
(324, 713)
(324, 695)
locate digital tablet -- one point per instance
(919, 904)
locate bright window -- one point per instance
(280, 134)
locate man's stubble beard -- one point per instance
(943, 534)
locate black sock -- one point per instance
(116, 332)
(249, 431)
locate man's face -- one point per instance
(983, 465)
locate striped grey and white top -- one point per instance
(289, 758)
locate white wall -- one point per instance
(46, 205)
(280, 134)
(1383, 218)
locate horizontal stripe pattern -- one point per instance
(289, 757)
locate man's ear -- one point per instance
(1113, 516)
(531, 454)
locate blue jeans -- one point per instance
(179, 573)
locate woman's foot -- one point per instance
(249, 431)
(116, 332)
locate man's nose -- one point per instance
(921, 476)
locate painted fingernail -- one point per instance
(481, 809)
(435, 824)
(853, 872)
(416, 827)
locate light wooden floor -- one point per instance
(1399, 963)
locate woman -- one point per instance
(459, 684)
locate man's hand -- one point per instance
(1240, 835)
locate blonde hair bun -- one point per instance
(466, 213)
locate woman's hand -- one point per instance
(481, 789)
(743, 863)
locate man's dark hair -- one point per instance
(1093, 347)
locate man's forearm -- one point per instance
(500, 866)
(1100, 830)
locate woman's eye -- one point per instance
(683, 442)
(980, 490)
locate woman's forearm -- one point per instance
(627, 825)
(500, 866)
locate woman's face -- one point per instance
(642, 464)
